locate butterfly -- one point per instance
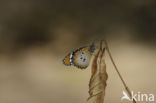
(80, 58)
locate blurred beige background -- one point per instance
(36, 35)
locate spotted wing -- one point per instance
(81, 58)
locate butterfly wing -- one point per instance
(82, 57)
(66, 60)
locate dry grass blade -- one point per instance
(98, 79)
(121, 78)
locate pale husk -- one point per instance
(98, 79)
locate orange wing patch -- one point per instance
(86, 49)
(66, 60)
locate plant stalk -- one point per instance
(112, 60)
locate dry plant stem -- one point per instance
(126, 87)
(97, 84)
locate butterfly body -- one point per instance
(80, 58)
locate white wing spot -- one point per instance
(83, 59)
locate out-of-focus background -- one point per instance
(35, 35)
